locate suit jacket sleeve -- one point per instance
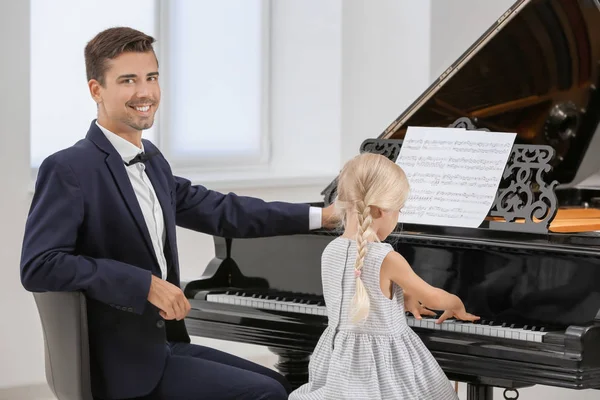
(233, 216)
(49, 261)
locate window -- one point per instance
(213, 76)
(61, 106)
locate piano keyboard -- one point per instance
(303, 304)
(314, 305)
(525, 333)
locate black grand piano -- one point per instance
(531, 270)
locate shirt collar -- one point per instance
(126, 150)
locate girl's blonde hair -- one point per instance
(368, 180)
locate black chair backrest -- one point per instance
(64, 324)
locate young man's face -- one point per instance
(131, 94)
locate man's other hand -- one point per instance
(169, 299)
(329, 219)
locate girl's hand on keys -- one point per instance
(458, 312)
(412, 305)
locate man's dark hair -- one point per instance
(111, 43)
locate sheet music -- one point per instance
(453, 174)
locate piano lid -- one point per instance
(534, 72)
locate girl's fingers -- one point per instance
(447, 314)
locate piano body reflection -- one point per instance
(533, 276)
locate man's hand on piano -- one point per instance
(169, 299)
(412, 305)
(329, 219)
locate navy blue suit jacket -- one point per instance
(86, 231)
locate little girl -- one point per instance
(368, 351)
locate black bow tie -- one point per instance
(141, 157)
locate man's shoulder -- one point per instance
(151, 148)
(79, 154)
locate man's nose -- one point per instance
(144, 89)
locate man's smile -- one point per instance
(142, 110)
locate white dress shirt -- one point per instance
(146, 196)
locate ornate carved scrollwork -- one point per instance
(466, 123)
(386, 147)
(527, 197)
(525, 201)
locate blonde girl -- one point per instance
(368, 351)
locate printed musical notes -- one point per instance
(453, 174)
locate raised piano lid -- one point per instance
(534, 72)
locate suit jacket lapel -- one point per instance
(117, 168)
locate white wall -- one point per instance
(342, 72)
(20, 345)
(385, 64)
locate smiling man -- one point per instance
(103, 220)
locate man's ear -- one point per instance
(95, 90)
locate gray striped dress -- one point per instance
(381, 358)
